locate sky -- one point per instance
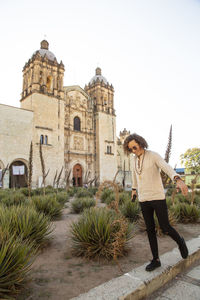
(148, 49)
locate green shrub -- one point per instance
(25, 192)
(181, 199)
(100, 232)
(186, 213)
(79, 204)
(13, 198)
(72, 191)
(15, 262)
(123, 197)
(169, 201)
(38, 191)
(93, 190)
(110, 199)
(107, 194)
(4, 193)
(49, 190)
(48, 205)
(82, 192)
(131, 210)
(26, 222)
(196, 198)
(169, 191)
(62, 197)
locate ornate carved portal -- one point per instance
(77, 175)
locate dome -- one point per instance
(99, 77)
(44, 50)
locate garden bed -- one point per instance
(56, 275)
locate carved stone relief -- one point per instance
(67, 118)
(89, 123)
(78, 143)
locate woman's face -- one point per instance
(135, 148)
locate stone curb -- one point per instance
(138, 284)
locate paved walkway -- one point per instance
(139, 284)
(185, 286)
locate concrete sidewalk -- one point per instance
(138, 284)
(184, 286)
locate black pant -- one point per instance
(160, 208)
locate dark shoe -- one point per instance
(153, 265)
(183, 248)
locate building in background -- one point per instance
(188, 176)
(76, 128)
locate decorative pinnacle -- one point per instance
(44, 45)
(98, 71)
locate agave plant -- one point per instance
(13, 198)
(71, 191)
(79, 204)
(124, 197)
(48, 205)
(100, 232)
(186, 213)
(83, 193)
(107, 195)
(62, 197)
(130, 210)
(16, 257)
(26, 222)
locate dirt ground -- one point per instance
(56, 275)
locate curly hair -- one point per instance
(139, 140)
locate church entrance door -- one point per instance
(18, 174)
(77, 175)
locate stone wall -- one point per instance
(48, 121)
(15, 136)
(106, 137)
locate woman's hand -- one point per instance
(133, 195)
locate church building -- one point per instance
(76, 129)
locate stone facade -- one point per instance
(124, 162)
(76, 127)
(79, 135)
(15, 137)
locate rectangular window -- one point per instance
(46, 140)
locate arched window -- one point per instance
(40, 78)
(46, 139)
(77, 124)
(42, 139)
(49, 83)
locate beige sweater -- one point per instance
(149, 183)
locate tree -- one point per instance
(165, 177)
(30, 169)
(191, 160)
(44, 174)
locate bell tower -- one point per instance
(101, 92)
(43, 93)
(43, 74)
(102, 95)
